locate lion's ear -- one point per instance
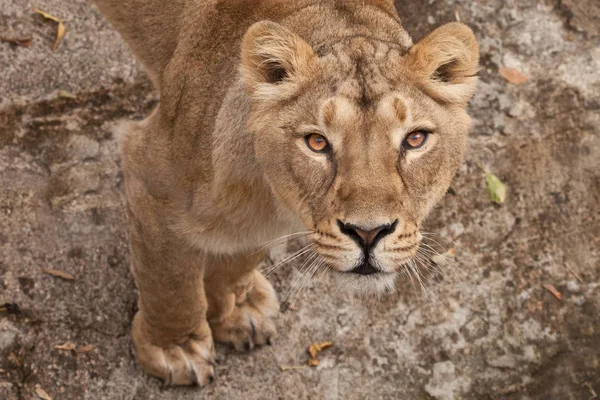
(273, 55)
(445, 63)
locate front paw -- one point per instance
(252, 321)
(190, 362)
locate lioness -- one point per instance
(278, 116)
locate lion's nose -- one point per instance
(367, 238)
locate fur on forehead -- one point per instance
(395, 109)
(337, 112)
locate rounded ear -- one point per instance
(445, 63)
(273, 55)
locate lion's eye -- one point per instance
(414, 140)
(317, 143)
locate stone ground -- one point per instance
(488, 331)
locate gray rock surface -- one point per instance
(487, 330)
(90, 56)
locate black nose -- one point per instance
(367, 238)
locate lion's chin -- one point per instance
(378, 284)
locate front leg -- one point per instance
(170, 332)
(242, 304)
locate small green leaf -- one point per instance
(66, 95)
(495, 188)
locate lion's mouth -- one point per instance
(366, 268)
(367, 279)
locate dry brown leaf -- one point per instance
(46, 15)
(24, 41)
(86, 349)
(575, 274)
(2, 371)
(42, 393)
(549, 287)
(66, 346)
(314, 350)
(513, 76)
(58, 274)
(60, 33)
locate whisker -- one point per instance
(280, 240)
(430, 267)
(429, 234)
(408, 269)
(440, 235)
(439, 268)
(293, 256)
(310, 273)
(430, 252)
(302, 270)
(268, 271)
(435, 242)
(417, 274)
(437, 275)
(324, 270)
(302, 279)
(431, 291)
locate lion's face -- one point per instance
(362, 141)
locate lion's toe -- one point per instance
(187, 363)
(252, 322)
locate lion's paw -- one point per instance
(252, 321)
(188, 363)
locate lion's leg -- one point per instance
(170, 332)
(242, 304)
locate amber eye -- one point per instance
(414, 140)
(317, 143)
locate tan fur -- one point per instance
(221, 165)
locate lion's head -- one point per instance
(360, 138)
